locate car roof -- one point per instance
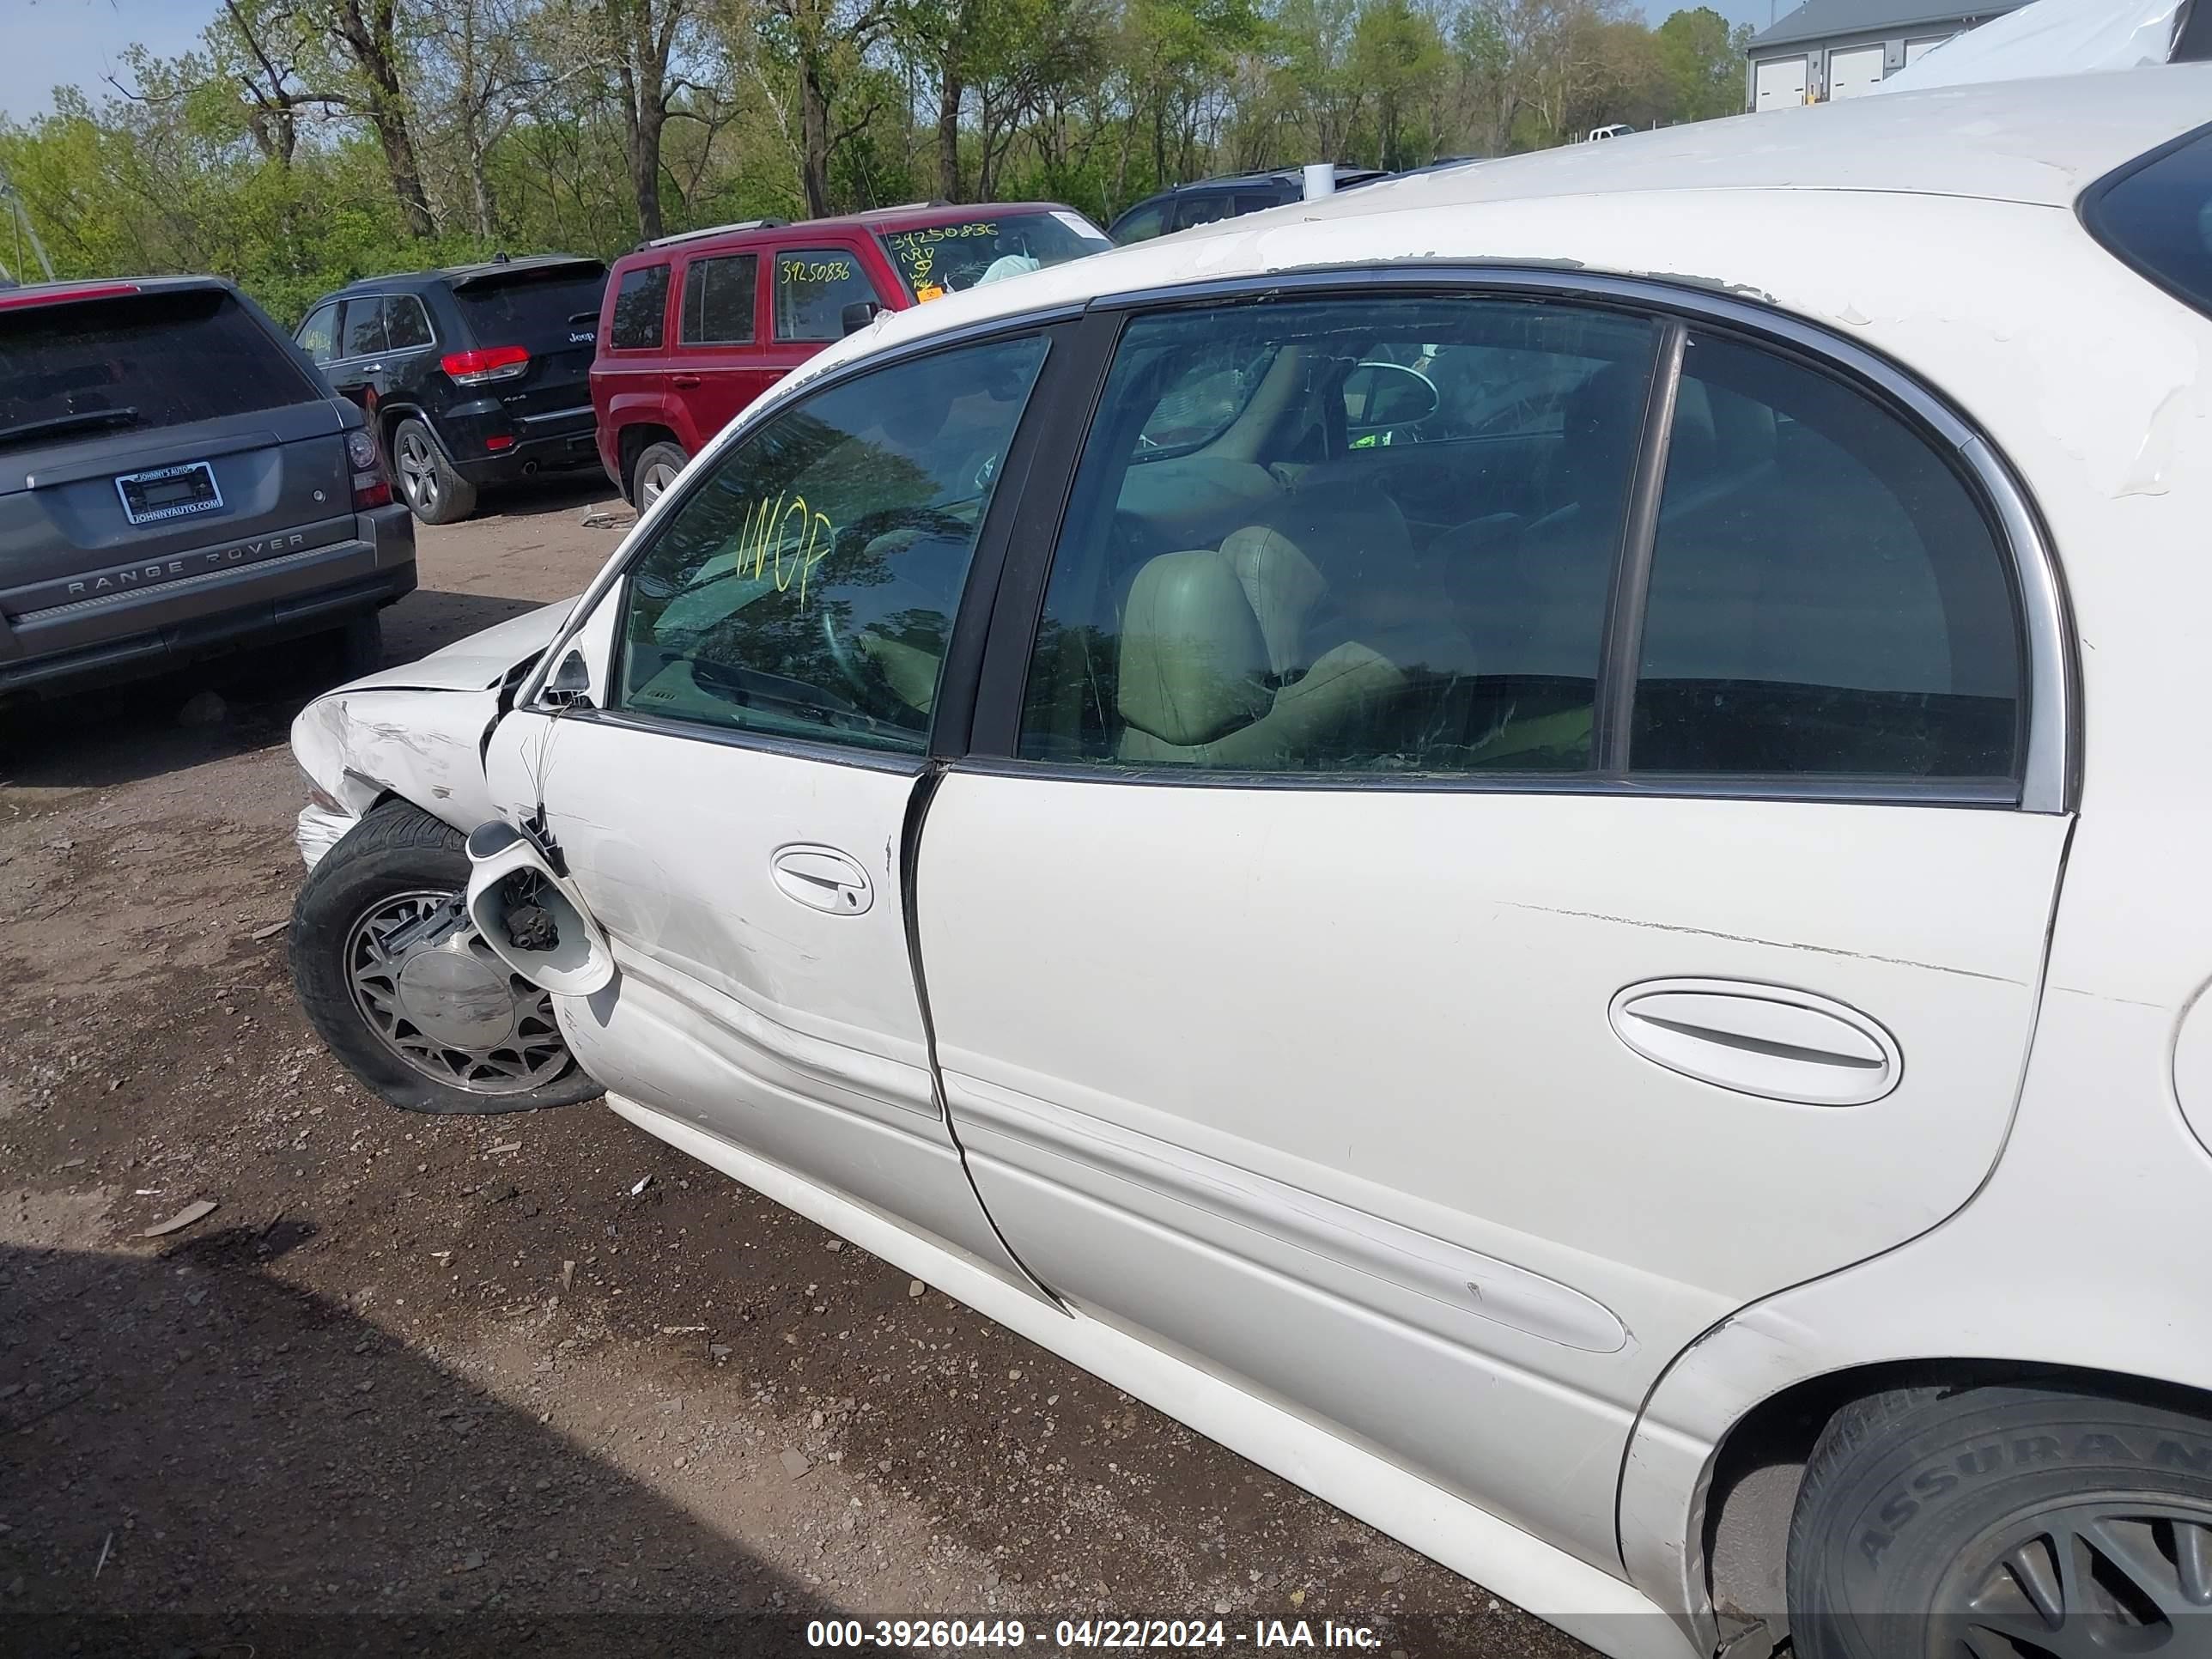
(917, 216)
(1793, 207)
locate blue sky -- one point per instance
(44, 43)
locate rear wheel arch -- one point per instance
(637, 437)
(1739, 1547)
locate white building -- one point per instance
(1829, 49)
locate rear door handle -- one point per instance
(684, 382)
(1772, 1040)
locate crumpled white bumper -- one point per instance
(318, 830)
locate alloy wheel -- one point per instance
(418, 472)
(653, 482)
(434, 993)
(2095, 1580)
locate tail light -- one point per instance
(486, 363)
(370, 487)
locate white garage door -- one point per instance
(1853, 72)
(1781, 83)
(1916, 50)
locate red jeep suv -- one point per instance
(695, 327)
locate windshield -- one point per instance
(139, 360)
(939, 259)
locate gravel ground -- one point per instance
(450, 1385)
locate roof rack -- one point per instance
(714, 230)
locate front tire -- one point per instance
(428, 483)
(392, 976)
(2005, 1523)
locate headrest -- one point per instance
(1281, 583)
(1194, 664)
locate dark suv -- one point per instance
(472, 375)
(175, 478)
(1210, 199)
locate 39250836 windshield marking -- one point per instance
(918, 248)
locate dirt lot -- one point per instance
(455, 1386)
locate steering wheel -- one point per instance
(858, 669)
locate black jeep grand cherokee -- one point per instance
(175, 480)
(472, 375)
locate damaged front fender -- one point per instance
(418, 730)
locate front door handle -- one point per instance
(1772, 1040)
(683, 382)
(822, 879)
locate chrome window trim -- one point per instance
(1985, 793)
(2050, 768)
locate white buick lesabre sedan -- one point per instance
(1531, 843)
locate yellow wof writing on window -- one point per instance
(781, 549)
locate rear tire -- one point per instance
(2004, 1522)
(428, 483)
(416, 1006)
(656, 468)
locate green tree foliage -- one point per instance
(1703, 59)
(305, 143)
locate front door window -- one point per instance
(805, 588)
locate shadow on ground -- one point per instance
(118, 734)
(198, 1459)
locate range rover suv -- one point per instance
(472, 375)
(174, 479)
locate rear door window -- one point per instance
(814, 286)
(156, 359)
(406, 325)
(1350, 590)
(718, 300)
(1827, 598)
(361, 334)
(641, 309)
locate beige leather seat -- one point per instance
(1305, 640)
(1196, 686)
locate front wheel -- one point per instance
(394, 978)
(2005, 1523)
